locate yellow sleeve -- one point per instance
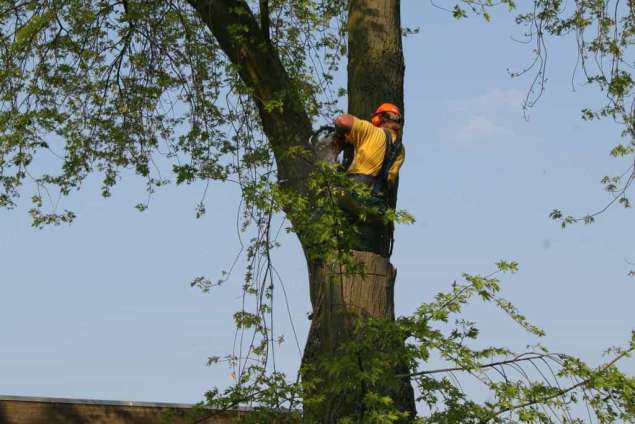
(394, 169)
(361, 131)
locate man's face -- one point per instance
(391, 120)
(389, 116)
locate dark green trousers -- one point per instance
(367, 214)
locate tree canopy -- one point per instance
(230, 90)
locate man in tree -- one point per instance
(230, 90)
(377, 157)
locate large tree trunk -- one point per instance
(339, 299)
(375, 75)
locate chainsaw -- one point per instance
(325, 144)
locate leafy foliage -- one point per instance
(142, 86)
(604, 32)
(114, 86)
(534, 386)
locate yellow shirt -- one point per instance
(370, 148)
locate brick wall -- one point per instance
(26, 410)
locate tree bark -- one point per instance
(375, 75)
(339, 299)
(375, 56)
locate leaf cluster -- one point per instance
(115, 88)
(537, 386)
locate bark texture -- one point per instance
(375, 75)
(375, 56)
(339, 299)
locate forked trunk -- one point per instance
(375, 75)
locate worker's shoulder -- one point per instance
(365, 127)
(360, 122)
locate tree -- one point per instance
(227, 90)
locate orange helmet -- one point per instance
(384, 107)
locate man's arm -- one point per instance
(343, 127)
(344, 123)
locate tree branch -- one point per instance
(282, 112)
(265, 21)
(563, 392)
(519, 358)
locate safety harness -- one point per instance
(378, 185)
(392, 151)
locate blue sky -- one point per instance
(103, 308)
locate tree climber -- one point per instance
(377, 157)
